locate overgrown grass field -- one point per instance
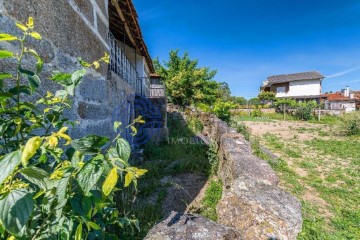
(321, 167)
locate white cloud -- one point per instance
(339, 74)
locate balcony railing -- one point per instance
(152, 87)
(121, 65)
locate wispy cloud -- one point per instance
(339, 74)
(343, 83)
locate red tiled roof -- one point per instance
(335, 97)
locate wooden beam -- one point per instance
(122, 17)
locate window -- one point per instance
(280, 89)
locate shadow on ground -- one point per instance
(177, 171)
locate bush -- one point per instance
(195, 125)
(53, 187)
(256, 113)
(351, 123)
(222, 110)
(304, 110)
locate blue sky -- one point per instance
(246, 41)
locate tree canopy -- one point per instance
(185, 82)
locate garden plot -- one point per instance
(320, 167)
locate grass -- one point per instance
(212, 196)
(167, 159)
(329, 184)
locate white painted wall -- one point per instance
(302, 88)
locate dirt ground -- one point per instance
(319, 166)
(290, 129)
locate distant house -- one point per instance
(299, 86)
(344, 100)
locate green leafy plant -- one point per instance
(256, 113)
(53, 187)
(212, 154)
(222, 110)
(350, 123)
(267, 96)
(304, 110)
(284, 104)
(186, 83)
(195, 125)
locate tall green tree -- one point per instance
(185, 82)
(224, 92)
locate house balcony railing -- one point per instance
(121, 65)
(152, 87)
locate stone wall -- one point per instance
(251, 203)
(73, 28)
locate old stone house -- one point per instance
(299, 86)
(87, 29)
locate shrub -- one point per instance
(256, 113)
(204, 107)
(304, 110)
(195, 125)
(351, 123)
(53, 187)
(222, 110)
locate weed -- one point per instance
(212, 154)
(212, 196)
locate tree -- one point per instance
(284, 104)
(224, 91)
(267, 96)
(254, 101)
(238, 100)
(185, 82)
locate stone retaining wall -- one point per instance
(252, 203)
(71, 29)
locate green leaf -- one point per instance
(26, 72)
(78, 233)
(110, 181)
(129, 177)
(3, 127)
(39, 63)
(8, 164)
(90, 173)
(6, 54)
(61, 189)
(90, 144)
(5, 75)
(37, 176)
(31, 146)
(134, 130)
(16, 208)
(22, 27)
(62, 78)
(83, 63)
(34, 82)
(77, 76)
(116, 125)
(7, 37)
(21, 89)
(35, 35)
(94, 226)
(123, 148)
(5, 96)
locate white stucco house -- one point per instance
(300, 86)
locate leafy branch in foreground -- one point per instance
(53, 187)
